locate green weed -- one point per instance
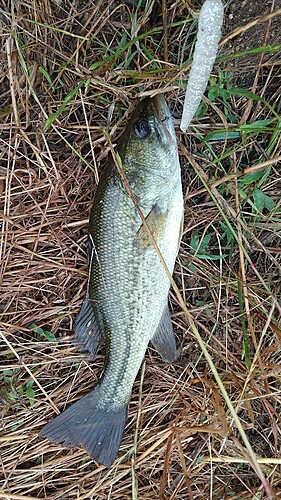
(15, 392)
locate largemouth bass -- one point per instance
(126, 302)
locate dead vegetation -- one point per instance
(69, 70)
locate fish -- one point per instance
(126, 302)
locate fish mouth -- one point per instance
(164, 117)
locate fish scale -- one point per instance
(126, 299)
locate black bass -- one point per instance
(127, 297)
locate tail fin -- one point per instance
(98, 430)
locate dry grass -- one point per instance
(228, 268)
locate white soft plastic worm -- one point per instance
(209, 33)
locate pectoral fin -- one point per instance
(164, 339)
(86, 329)
(156, 221)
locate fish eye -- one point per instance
(142, 129)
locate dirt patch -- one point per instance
(239, 14)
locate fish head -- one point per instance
(149, 141)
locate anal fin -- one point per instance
(86, 329)
(164, 339)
